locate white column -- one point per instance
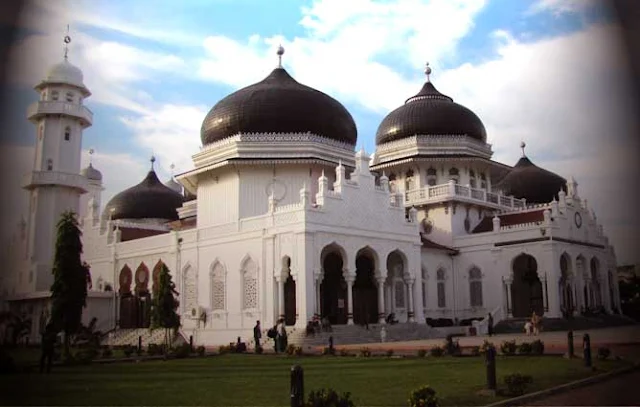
(509, 304)
(381, 310)
(280, 281)
(350, 279)
(410, 283)
(318, 280)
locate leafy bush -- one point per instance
(182, 351)
(390, 352)
(155, 349)
(329, 351)
(365, 352)
(508, 347)
(200, 350)
(107, 353)
(424, 396)
(291, 349)
(128, 350)
(537, 347)
(328, 398)
(485, 346)
(604, 353)
(345, 352)
(524, 348)
(451, 347)
(297, 351)
(475, 351)
(422, 353)
(517, 383)
(224, 349)
(436, 351)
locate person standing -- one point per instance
(48, 347)
(257, 335)
(280, 335)
(490, 324)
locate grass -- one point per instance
(237, 380)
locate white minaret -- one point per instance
(55, 184)
(91, 202)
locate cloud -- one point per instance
(560, 7)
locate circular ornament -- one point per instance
(427, 226)
(277, 188)
(578, 219)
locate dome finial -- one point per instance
(280, 52)
(427, 71)
(172, 166)
(67, 40)
(522, 146)
(91, 151)
(153, 160)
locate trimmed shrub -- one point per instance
(345, 352)
(128, 350)
(182, 351)
(517, 383)
(200, 350)
(436, 351)
(298, 351)
(107, 353)
(291, 349)
(537, 347)
(524, 348)
(508, 347)
(486, 345)
(329, 351)
(222, 349)
(390, 352)
(475, 351)
(422, 353)
(603, 353)
(452, 347)
(365, 352)
(328, 398)
(424, 396)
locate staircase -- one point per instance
(355, 334)
(581, 323)
(123, 337)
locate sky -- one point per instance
(547, 72)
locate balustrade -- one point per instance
(445, 191)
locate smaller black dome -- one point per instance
(430, 112)
(150, 199)
(535, 184)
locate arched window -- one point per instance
(483, 181)
(409, 182)
(442, 299)
(392, 183)
(218, 288)
(250, 284)
(475, 287)
(69, 97)
(49, 164)
(454, 174)
(424, 288)
(55, 95)
(431, 176)
(67, 133)
(189, 291)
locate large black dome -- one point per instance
(430, 113)
(150, 199)
(278, 104)
(535, 184)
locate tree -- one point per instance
(70, 279)
(165, 304)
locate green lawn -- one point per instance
(238, 380)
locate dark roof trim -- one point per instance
(430, 244)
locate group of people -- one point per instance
(532, 327)
(278, 333)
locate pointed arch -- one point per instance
(249, 271)
(189, 290)
(441, 277)
(155, 276)
(218, 283)
(125, 279)
(475, 287)
(142, 279)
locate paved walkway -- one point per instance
(617, 391)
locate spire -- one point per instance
(153, 160)
(522, 146)
(91, 151)
(427, 71)
(280, 52)
(172, 166)
(67, 40)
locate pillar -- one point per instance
(280, 281)
(350, 279)
(410, 281)
(381, 289)
(318, 280)
(508, 304)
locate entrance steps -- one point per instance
(579, 323)
(122, 337)
(355, 334)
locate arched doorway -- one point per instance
(289, 293)
(333, 289)
(365, 292)
(126, 316)
(526, 289)
(566, 286)
(143, 298)
(397, 303)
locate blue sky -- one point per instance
(156, 67)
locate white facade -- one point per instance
(295, 225)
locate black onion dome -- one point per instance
(278, 104)
(150, 199)
(535, 184)
(430, 113)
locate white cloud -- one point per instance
(559, 7)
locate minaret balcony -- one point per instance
(455, 192)
(43, 108)
(37, 179)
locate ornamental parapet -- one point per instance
(451, 191)
(40, 178)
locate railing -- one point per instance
(482, 326)
(65, 108)
(56, 178)
(442, 192)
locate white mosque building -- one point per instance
(280, 217)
